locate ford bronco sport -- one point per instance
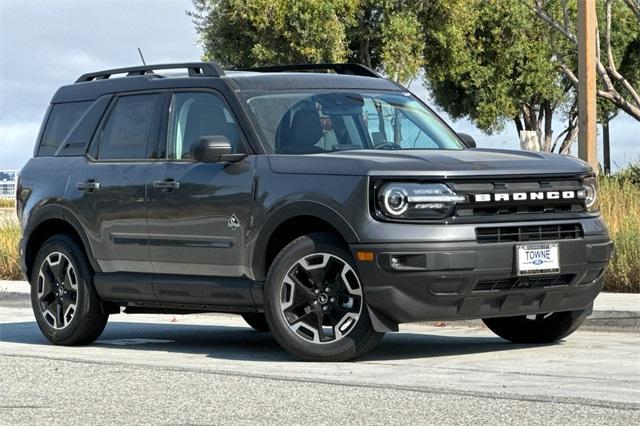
(323, 203)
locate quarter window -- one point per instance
(62, 120)
(194, 115)
(129, 128)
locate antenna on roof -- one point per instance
(141, 57)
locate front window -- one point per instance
(317, 122)
(198, 114)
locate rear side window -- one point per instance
(61, 121)
(127, 132)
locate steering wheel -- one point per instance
(387, 145)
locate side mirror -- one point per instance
(211, 149)
(467, 140)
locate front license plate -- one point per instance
(534, 259)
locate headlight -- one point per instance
(590, 194)
(415, 201)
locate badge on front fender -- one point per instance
(233, 222)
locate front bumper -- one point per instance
(465, 280)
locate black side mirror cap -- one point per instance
(214, 149)
(467, 140)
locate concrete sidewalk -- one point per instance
(611, 311)
(14, 287)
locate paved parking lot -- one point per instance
(214, 369)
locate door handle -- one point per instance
(167, 184)
(88, 185)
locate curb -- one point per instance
(16, 294)
(628, 321)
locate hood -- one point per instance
(441, 163)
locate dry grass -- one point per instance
(9, 252)
(7, 203)
(620, 206)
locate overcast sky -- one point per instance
(46, 44)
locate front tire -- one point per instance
(314, 301)
(542, 328)
(65, 303)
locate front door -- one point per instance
(198, 213)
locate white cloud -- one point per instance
(44, 45)
(16, 143)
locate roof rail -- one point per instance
(352, 69)
(195, 69)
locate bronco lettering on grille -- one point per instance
(524, 196)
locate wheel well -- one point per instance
(42, 233)
(293, 228)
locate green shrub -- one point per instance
(629, 174)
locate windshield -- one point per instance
(316, 122)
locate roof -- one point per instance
(198, 75)
(247, 80)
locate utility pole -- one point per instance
(587, 82)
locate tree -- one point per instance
(402, 47)
(384, 34)
(244, 33)
(372, 27)
(488, 61)
(619, 72)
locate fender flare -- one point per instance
(289, 211)
(55, 211)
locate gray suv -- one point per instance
(323, 203)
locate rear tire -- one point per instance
(65, 303)
(257, 321)
(544, 328)
(314, 302)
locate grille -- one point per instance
(470, 210)
(503, 234)
(517, 283)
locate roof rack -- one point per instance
(195, 69)
(351, 69)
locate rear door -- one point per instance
(199, 213)
(109, 189)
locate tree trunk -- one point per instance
(571, 134)
(548, 131)
(530, 119)
(605, 149)
(518, 122)
(538, 119)
(381, 129)
(397, 128)
(364, 54)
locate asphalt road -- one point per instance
(205, 369)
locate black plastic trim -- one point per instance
(223, 293)
(195, 69)
(347, 69)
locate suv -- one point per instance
(321, 202)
